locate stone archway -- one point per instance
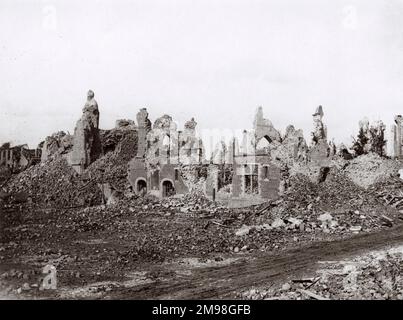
(167, 188)
(141, 186)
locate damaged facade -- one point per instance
(162, 152)
(18, 158)
(252, 172)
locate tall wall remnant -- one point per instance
(320, 131)
(397, 134)
(320, 149)
(264, 128)
(286, 149)
(87, 145)
(190, 146)
(144, 126)
(293, 147)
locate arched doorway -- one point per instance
(141, 187)
(168, 188)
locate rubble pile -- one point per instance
(346, 206)
(370, 168)
(376, 275)
(137, 231)
(112, 167)
(336, 206)
(390, 192)
(194, 177)
(5, 174)
(192, 202)
(56, 144)
(117, 138)
(54, 183)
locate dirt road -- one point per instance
(221, 282)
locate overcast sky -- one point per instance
(215, 60)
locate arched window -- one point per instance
(263, 143)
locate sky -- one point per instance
(214, 60)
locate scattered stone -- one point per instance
(278, 223)
(26, 287)
(286, 287)
(355, 228)
(387, 221)
(244, 230)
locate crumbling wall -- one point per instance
(194, 177)
(269, 183)
(264, 128)
(162, 142)
(226, 173)
(144, 126)
(57, 143)
(122, 141)
(190, 146)
(211, 180)
(256, 172)
(236, 185)
(137, 170)
(165, 151)
(172, 172)
(292, 148)
(319, 152)
(125, 124)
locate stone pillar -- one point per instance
(144, 126)
(398, 141)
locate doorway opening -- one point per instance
(168, 188)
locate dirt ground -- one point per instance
(116, 260)
(190, 247)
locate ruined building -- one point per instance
(162, 152)
(17, 158)
(86, 142)
(256, 178)
(250, 172)
(286, 149)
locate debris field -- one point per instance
(138, 211)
